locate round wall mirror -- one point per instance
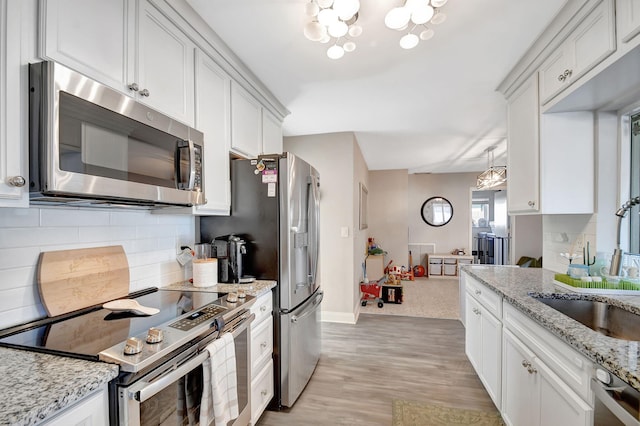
(436, 211)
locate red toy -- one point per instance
(371, 291)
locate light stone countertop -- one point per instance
(36, 386)
(256, 288)
(517, 285)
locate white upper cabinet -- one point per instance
(246, 123)
(165, 65)
(14, 174)
(628, 16)
(523, 149)
(271, 133)
(213, 90)
(148, 57)
(589, 44)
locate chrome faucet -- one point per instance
(616, 259)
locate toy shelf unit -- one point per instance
(447, 265)
(375, 267)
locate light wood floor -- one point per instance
(363, 367)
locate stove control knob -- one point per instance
(155, 335)
(133, 346)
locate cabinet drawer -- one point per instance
(261, 391)
(572, 367)
(491, 300)
(263, 307)
(261, 344)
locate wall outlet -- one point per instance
(344, 232)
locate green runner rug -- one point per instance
(410, 413)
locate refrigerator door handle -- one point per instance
(309, 310)
(313, 215)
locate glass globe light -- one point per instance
(438, 18)
(438, 3)
(427, 34)
(338, 29)
(346, 8)
(397, 18)
(349, 46)
(311, 9)
(325, 38)
(422, 15)
(324, 3)
(413, 5)
(327, 17)
(314, 31)
(409, 41)
(335, 52)
(355, 30)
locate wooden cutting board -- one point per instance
(69, 280)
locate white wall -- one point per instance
(149, 241)
(388, 213)
(455, 187)
(333, 155)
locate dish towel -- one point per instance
(220, 385)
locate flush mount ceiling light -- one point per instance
(494, 175)
(333, 21)
(413, 18)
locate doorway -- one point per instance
(490, 227)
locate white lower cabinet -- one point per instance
(262, 389)
(483, 341)
(90, 411)
(544, 381)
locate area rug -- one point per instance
(426, 298)
(410, 413)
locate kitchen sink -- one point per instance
(602, 317)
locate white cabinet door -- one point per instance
(213, 118)
(90, 36)
(14, 174)
(588, 45)
(165, 65)
(523, 154)
(93, 410)
(473, 333)
(271, 133)
(519, 396)
(628, 15)
(559, 404)
(491, 354)
(246, 123)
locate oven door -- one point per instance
(171, 394)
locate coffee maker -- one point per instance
(229, 250)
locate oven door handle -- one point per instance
(152, 388)
(621, 414)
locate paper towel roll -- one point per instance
(205, 272)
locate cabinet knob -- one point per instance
(565, 75)
(263, 345)
(134, 87)
(144, 92)
(476, 311)
(532, 370)
(531, 203)
(526, 364)
(263, 308)
(478, 292)
(18, 181)
(264, 392)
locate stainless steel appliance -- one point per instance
(275, 209)
(91, 145)
(165, 379)
(616, 402)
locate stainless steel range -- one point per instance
(161, 356)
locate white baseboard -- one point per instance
(341, 317)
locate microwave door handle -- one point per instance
(181, 145)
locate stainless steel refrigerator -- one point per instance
(275, 209)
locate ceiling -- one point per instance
(431, 109)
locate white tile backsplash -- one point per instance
(150, 242)
(566, 234)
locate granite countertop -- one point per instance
(35, 386)
(517, 285)
(256, 288)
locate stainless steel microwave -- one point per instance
(91, 145)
